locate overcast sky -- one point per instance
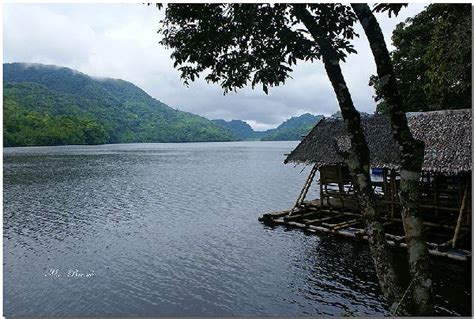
(121, 41)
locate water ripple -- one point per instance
(171, 229)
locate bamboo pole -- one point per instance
(308, 183)
(393, 189)
(349, 223)
(385, 188)
(396, 241)
(461, 211)
(340, 183)
(319, 220)
(303, 214)
(435, 185)
(321, 190)
(305, 189)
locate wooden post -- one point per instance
(385, 189)
(393, 189)
(340, 183)
(461, 211)
(326, 191)
(469, 201)
(321, 191)
(435, 193)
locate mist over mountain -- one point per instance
(53, 105)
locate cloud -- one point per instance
(35, 34)
(121, 41)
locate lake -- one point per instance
(171, 229)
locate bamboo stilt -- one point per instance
(321, 192)
(435, 195)
(385, 188)
(393, 191)
(340, 183)
(461, 211)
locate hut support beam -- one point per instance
(340, 183)
(393, 192)
(385, 188)
(435, 194)
(460, 217)
(321, 191)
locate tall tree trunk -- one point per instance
(358, 162)
(411, 154)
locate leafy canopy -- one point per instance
(432, 59)
(238, 44)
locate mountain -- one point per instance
(51, 105)
(290, 130)
(293, 129)
(338, 115)
(238, 128)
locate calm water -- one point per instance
(171, 229)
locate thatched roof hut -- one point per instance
(447, 136)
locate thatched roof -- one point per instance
(447, 137)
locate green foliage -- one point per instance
(237, 44)
(432, 59)
(239, 129)
(293, 129)
(104, 110)
(391, 8)
(295, 134)
(22, 127)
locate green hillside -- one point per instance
(50, 105)
(292, 129)
(239, 129)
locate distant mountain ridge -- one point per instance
(290, 130)
(241, 130)
(338, 115)
(51, 105)
(293, 129)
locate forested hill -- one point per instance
(293, 129)
(290, 130)
(241, 130)
(51, 105)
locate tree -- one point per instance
(411, 155)
(432, 59)
(358, 157)
(236, 44)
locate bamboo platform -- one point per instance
(346, 221)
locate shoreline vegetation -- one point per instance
(48, 105)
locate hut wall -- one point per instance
(441, 196)
(336, 187)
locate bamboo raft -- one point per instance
(343, 221)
